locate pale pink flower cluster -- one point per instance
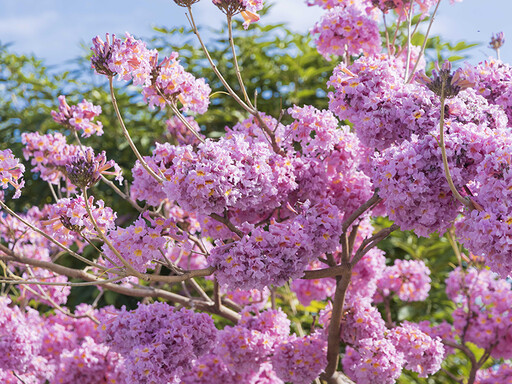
(11, 172)
(79, 117)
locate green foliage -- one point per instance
(280, 68)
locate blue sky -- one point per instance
(54, 29)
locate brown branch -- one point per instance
(359, 211)
(371, 242)
(333, 341)
(79, 274)
(136, 292)
(224, 220)
(216, 294)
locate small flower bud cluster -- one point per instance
(79, 117)
(85, 169)
(247, 9)
(443, 83)
(497, 41)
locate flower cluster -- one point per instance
(347, 30)
(11, 172)
(170, 82)
(373, 361)
(313, 133)
(487, 231)
(422, 354)
(300, 360)
(366, 273)
(158, 341)
(229, 173)
(328, 4)
(483, 314)
(167, 81)
(402, 6)
(372, 95)
(129, 59)
(55, 348)
(492, 375)
(411, 178)
(50, 154)
(492, 80)
(144, 186)
(362, 321)
(46, 294)
(20, 337)
(381, 359)
(68, 217)
(408, 279)
(263, 258)
(140, 243)
(79, 117)
(313, 289)
(254, 298)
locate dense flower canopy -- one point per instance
(253, 250)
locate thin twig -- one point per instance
(124, 196)
(127, 134)
(408, 59)
(128, 266)
(447, 174)
(48, 237)
(235, 60)
(422, 50)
